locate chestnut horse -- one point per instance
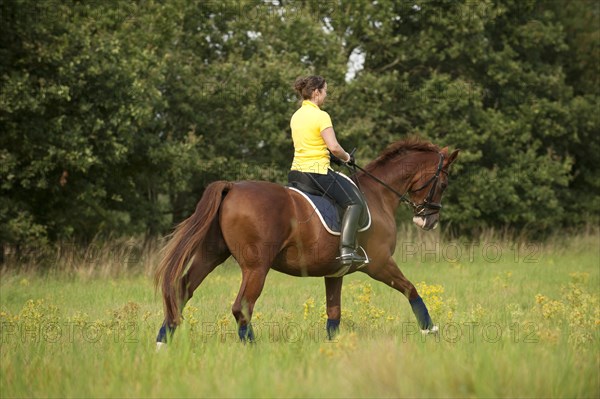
(267, 226)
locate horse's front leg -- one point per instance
(333, 292)
(391, 275)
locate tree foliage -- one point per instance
(115, 115)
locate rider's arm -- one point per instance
(333, 145)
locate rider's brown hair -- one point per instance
(306, 85)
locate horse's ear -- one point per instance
(452, 156)
(444, 152)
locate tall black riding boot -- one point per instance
(348, 255)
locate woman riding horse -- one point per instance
(313, 135)
(265, 226)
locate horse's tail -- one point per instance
(183, 243)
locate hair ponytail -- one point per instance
(305, 86)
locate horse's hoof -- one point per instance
(433, 330)
(161, 346)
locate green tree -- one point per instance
(486, 77)
(78, 97)
(114, 116)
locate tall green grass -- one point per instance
(516, 319)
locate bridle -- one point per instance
(419, 210)
(427, 204)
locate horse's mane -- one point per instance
(402, 147)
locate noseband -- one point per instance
(427, 204)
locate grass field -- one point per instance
(515, 321)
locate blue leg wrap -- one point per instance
(420, 311)
(163, 332)
(246, 333)
(333, 327)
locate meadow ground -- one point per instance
(515, 321)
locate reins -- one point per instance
(378, 180)
(418, 209)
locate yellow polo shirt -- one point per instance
(310, 153)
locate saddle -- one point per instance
(328, 211)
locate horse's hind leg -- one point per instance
(212, 253)
(391, 275)
(253, 281)
(255, 260)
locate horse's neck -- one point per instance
(398, 174)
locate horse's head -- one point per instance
(419, 169)
(427, 188)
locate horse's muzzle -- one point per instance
(429, 222)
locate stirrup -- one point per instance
(351, 258)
